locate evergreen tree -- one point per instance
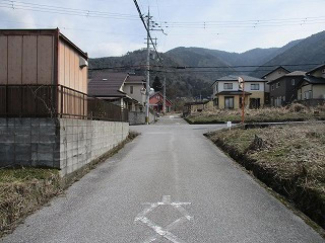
(157, 85)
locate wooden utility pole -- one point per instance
(148, 68)
(164, 104)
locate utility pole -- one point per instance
(148, 68)
(241, 83)
(164, 104)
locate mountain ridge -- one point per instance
(192, 83)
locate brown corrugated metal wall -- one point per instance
(27, 59)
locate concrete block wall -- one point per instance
(82, 141)
(67, 144)
(28, 142)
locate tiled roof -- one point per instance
(105, 84)
(293, 74)
(296, 73)
(280, 67)
(235, 78)
(316, 68)
(314, 80)
(135, 79)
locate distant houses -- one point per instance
(277, 88)
(156, 101)
(227, 94)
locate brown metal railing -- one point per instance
(56, 101)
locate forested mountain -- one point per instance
(191, 82)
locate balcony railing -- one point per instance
(56, 101)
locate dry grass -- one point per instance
(294, 112)
(22, 190)
(294, 155)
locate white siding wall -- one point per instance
(236, 86)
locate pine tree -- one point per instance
(157, 85)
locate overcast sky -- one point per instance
(115, 27)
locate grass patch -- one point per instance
(22, 190)
(293, 112)
(289, 159)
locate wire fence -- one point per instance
(56, 101)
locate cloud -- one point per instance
(104, 49)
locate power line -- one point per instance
(238, 66)
(62, 10)
(145, 26)
(181, 69)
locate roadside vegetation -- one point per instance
(22, 190)
(293, 112)
(289, 159)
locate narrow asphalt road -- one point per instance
(169, 185)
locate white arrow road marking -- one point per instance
(160, 231)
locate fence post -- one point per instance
(61, 105)
(7, 101)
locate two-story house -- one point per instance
(270, 76)
(122, 89)
(312, 86)
(135, 87)
(283, 90)
(227, 94)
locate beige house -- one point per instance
(134, 86)
(312, 87)
(227, 94)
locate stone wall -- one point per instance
(67, 144)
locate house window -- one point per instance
(308, 95)
(293, 82)
(255, 86)
(216, 88)
(229, 102)
(323, 71)
(277, 85)
(272, 87)
(131, 89)
(228, 86)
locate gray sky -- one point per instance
(112, 27)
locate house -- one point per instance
(30, 58)
(227, 94)
(156, 101)
(197, 106)
(121, 89)
(283, 90)
(311, 89)
(270, 76)
(135, 87)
